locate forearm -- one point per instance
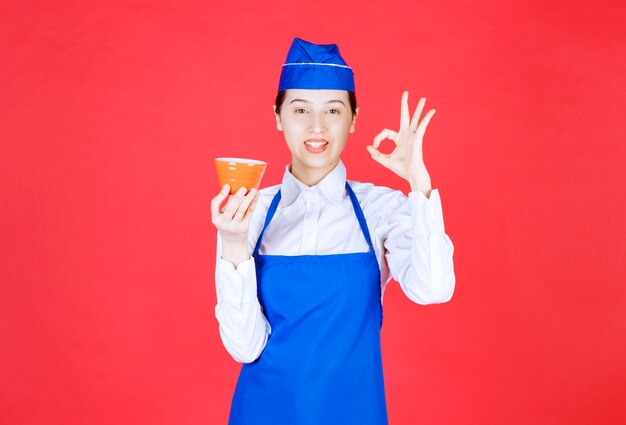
(429, 277)
(243, 327)
(420, 254)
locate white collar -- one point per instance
(333, 185)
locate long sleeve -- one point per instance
(243, 327)
(417, 249)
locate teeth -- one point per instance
(315, 144)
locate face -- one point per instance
(309, 116)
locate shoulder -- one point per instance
(269, 191)
(266, 195)
(369, 192)
(377, 200)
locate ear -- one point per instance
(354, 117)
(279, 125)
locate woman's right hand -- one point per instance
(233, 221)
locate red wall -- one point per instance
(111, 114)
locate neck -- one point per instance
(310, 176)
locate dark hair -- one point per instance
(280, 98)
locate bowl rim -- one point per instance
(241, 160)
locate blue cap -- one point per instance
(315, 66)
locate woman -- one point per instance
(301, 267)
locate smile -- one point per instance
(316, 144)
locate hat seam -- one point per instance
(315, 63)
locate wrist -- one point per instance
(235, 251)
(421, 184)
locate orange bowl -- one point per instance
(240, 172)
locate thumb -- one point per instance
(379, 157)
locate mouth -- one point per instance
(316, 143)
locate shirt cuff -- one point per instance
(426, 213)
(235, 285)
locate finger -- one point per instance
(378, 156)
(418, 112)
(233, 203)
(404, 110)
(243, 207)
(217, 201)
(385, 134)
(255, 201)
(422, 127)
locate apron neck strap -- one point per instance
(360, 216)
(355, 204)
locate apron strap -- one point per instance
(268, 218)
(355, 204)
(360, 216)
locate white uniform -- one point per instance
(407, 233)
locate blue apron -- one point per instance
(322, 363)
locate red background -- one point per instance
(111, 114)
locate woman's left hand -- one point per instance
(406, 160)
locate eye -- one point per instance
(337, 111)
(299, 109)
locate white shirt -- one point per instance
(407, 234)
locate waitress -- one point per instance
(301, 266)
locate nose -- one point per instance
(317, 123)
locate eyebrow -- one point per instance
(306, 101)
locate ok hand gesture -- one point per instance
(406, 160)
